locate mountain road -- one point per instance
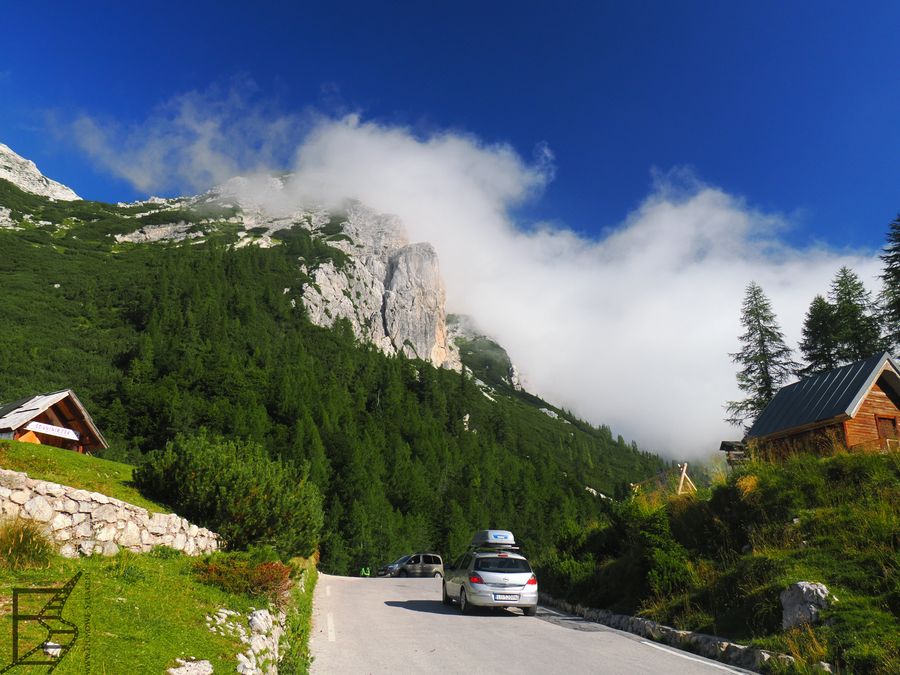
(379, 625)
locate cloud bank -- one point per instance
(632, 329)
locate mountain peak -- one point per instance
(24, 174)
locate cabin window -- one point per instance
(887, 427)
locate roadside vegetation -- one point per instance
(135, 613)
(716, 562)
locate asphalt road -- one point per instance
(400, 626)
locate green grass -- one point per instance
(834, 520)
(44, 462)
(135, 614)
(737, 546)
(296, 659)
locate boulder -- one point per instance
(60, 521)
(105, 514)
(131, 535)
(39, 509)
(106, 533)
(260, 621)
(801, 603)
(20, 496)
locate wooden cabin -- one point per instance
(857, 405)
(58, 419)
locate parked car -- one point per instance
(491, 575)
(414, 565)
(391, 569)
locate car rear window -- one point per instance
(502, 565)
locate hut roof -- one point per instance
(831, 396)
(17, 414)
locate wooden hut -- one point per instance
(857, 405)
(57, 419)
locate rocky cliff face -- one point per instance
(24, 174)
(390, 291)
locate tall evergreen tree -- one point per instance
(890, 295)
(857, 329)
(819, 343)
(765, 359)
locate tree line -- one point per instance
(197, 366)
(842, 327)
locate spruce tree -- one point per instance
(890, 296)
(857, 329)
(765, 359)
(819, 344)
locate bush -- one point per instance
(236, 489)
(269, 581)
(24, 544)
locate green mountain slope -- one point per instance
(164, 339)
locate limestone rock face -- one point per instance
(414, 304)
(389, 290)
(24, 174)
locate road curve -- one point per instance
(400, 626)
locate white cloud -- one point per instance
(632, 329)
(191, 142)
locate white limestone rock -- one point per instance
(130, 535)
(191, 667)
(24, 174)
(39, 509)
(801, 603)
(389, 290)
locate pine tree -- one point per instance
(890, 295)
(857, 329)
(765, 359)
(819, 343)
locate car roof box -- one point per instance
(494, 538)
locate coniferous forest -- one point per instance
(198, 364)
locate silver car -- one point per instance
(497, 578)
(415, 565)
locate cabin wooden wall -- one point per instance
(822, 440)
(863, 429)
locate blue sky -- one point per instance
(792, 106)
(696, 146)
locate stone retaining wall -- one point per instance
(85, 522)
(710, 646)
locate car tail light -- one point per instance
(476, 579)
(532, 581)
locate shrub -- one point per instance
(236, 489)
(24, 544)
(269, 581)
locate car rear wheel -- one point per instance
(529, 611)
(464, 605)
(446, 599)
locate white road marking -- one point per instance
(329, 620)
(689, 658)
(328, 591)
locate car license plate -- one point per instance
(505, 596)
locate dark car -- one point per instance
(414, 565)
